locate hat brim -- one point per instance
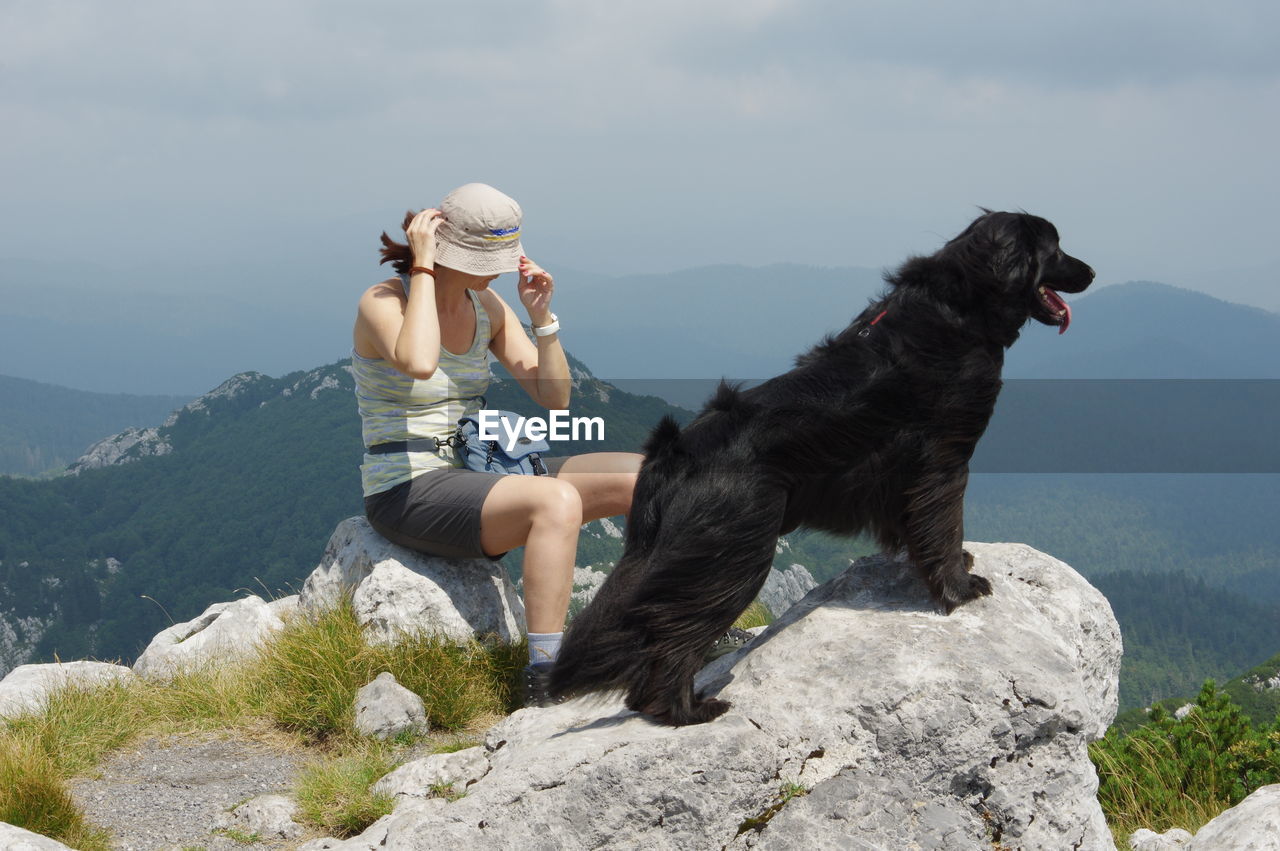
(474, 261)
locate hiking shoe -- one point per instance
(536, 685)
(727, 643)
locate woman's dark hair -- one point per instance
(399, 255)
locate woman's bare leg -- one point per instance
(604, 480)
(542, 514)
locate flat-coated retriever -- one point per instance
(870, 432)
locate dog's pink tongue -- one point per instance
(1058, 304)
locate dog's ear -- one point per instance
(999, 247)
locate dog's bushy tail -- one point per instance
(600, 647)
(600, 650)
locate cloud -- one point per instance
(645, 134)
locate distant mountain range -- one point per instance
(735, 321)
(1149, 330)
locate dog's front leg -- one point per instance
(935, 537)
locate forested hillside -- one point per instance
(256, 476)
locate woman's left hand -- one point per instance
(535, 287)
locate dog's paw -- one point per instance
(970, 588)
(699, 712)
(707, 709)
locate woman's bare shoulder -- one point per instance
(388, 289)
(494, 306)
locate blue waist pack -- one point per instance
(492, 456)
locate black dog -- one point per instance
(872, 431)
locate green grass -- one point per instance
(34, 796)
(317, 665)
(299, 690)
(333, 793)
(757, 614)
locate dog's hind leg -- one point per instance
(935, 538)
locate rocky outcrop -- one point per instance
(223, 632)
(784, 588)
(863, 718)
(131, 444)
(1251, 825)
(241, 392)
(396, 591)
(26, 688)
(18, 639)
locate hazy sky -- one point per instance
(259, 144)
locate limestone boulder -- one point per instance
(1251, 825)
(16, 839)
(863, 718)
(26, 688)
(397, 591)
(223, 632)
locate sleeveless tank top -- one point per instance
(394, 406)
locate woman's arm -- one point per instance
(543, 371)
(406, 333)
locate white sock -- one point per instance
(543, 646)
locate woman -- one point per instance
(420, 360)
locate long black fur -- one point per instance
(870, 432)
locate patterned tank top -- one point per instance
(394, 406)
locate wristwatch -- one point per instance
(550, 328)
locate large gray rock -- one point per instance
(224, 632)
(16, 839)
(1251, 825)
(397, 591)
(907, 729)
(26, 689)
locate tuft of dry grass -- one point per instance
(757, 614)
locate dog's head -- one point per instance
(1018, 255)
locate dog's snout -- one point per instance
(1092, 274)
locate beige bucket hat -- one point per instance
(481, 231)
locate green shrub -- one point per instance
(1181, 773)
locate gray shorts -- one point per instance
(437, 513)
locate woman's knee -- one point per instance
(559, 505)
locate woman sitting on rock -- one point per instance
(420, 360)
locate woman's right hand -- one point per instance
(422, 236)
